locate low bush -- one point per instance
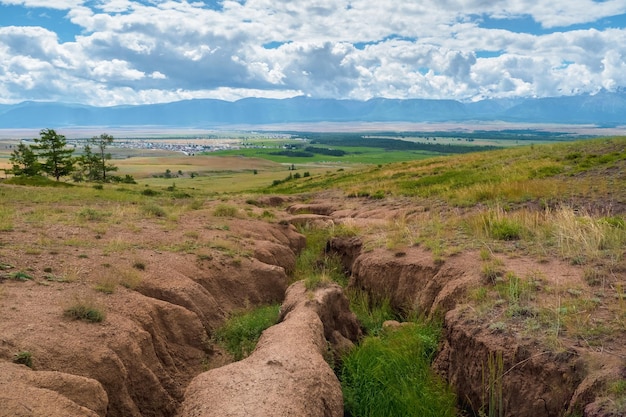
(154, 210)
(225, 210)
(149, 192)
(92, 214)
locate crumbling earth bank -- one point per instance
(534, 378)
(287, 374)
(154, 340)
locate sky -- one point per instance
(125, 52)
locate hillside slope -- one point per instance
(520, 253)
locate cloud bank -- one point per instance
(110, 52)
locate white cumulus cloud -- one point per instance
(130, 51)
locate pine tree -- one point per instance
(57, 159)
(25, 161)
(101, 142)
(88, 166)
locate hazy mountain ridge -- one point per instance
(604, 108)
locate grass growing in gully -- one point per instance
(372, 313)
(390, 375)
(240, 334)
(313, 264)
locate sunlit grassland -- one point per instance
(531, 198)
(228, 181)
(84, 205)
(461, 140)
(512, 175)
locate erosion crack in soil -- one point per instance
(166, 285)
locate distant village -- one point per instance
(192, 147)
(186, 145)
(196, 145)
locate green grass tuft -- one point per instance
(20, 276)
(23, 358)
(241, 332)
(370, 313)
(86, 310)
(225, 210)
(390, 376)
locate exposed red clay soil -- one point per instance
(27, 393)
(149, 356)
(154, 340)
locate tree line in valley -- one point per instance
(358, 140)
(51, 156)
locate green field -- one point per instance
(354, 155)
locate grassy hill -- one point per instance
(523, 195)
(584, 169)
(498, 214)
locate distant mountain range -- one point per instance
(604, 109)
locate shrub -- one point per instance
(225, 210)
(92, 214)
(127, 179)
(141, 266)
(149, 192)
(196, 204)
(154, 210)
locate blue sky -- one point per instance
(112, 52)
